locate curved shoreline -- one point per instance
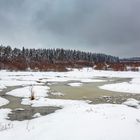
(22, 112)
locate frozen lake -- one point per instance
(78, 101)
(84, 91)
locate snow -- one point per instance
(89, 73)
(36, 115)
(92, 80)
(39, 91)
(132, 103)
(57, 93)
(76, 120)
(3, 101)
(2, 87)
(50, 102)
(19, 109)
(135, 81)
(3, 114)
(75, 84)
(79, 120)
(81, 75)
(125, 87)
(16, 82)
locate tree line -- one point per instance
(48, 59)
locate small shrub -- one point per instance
(32, 94)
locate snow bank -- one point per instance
(36, 115)
(3, 115)
(3, 101)
(39, 91)
(132, 103)
(124, 87)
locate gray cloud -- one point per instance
(106, 26)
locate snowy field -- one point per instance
(77, 120)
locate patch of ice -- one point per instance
(57, 93)
(19, 109)
(75, 84)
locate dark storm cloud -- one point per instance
(108, 26)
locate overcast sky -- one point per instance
(106, 26)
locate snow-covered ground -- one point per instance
(2, 87)
(77, 120)
(3, 101)
(132, 103)
(38, 91)
(82, 75)
(126, 87)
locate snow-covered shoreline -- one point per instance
(85, 75)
